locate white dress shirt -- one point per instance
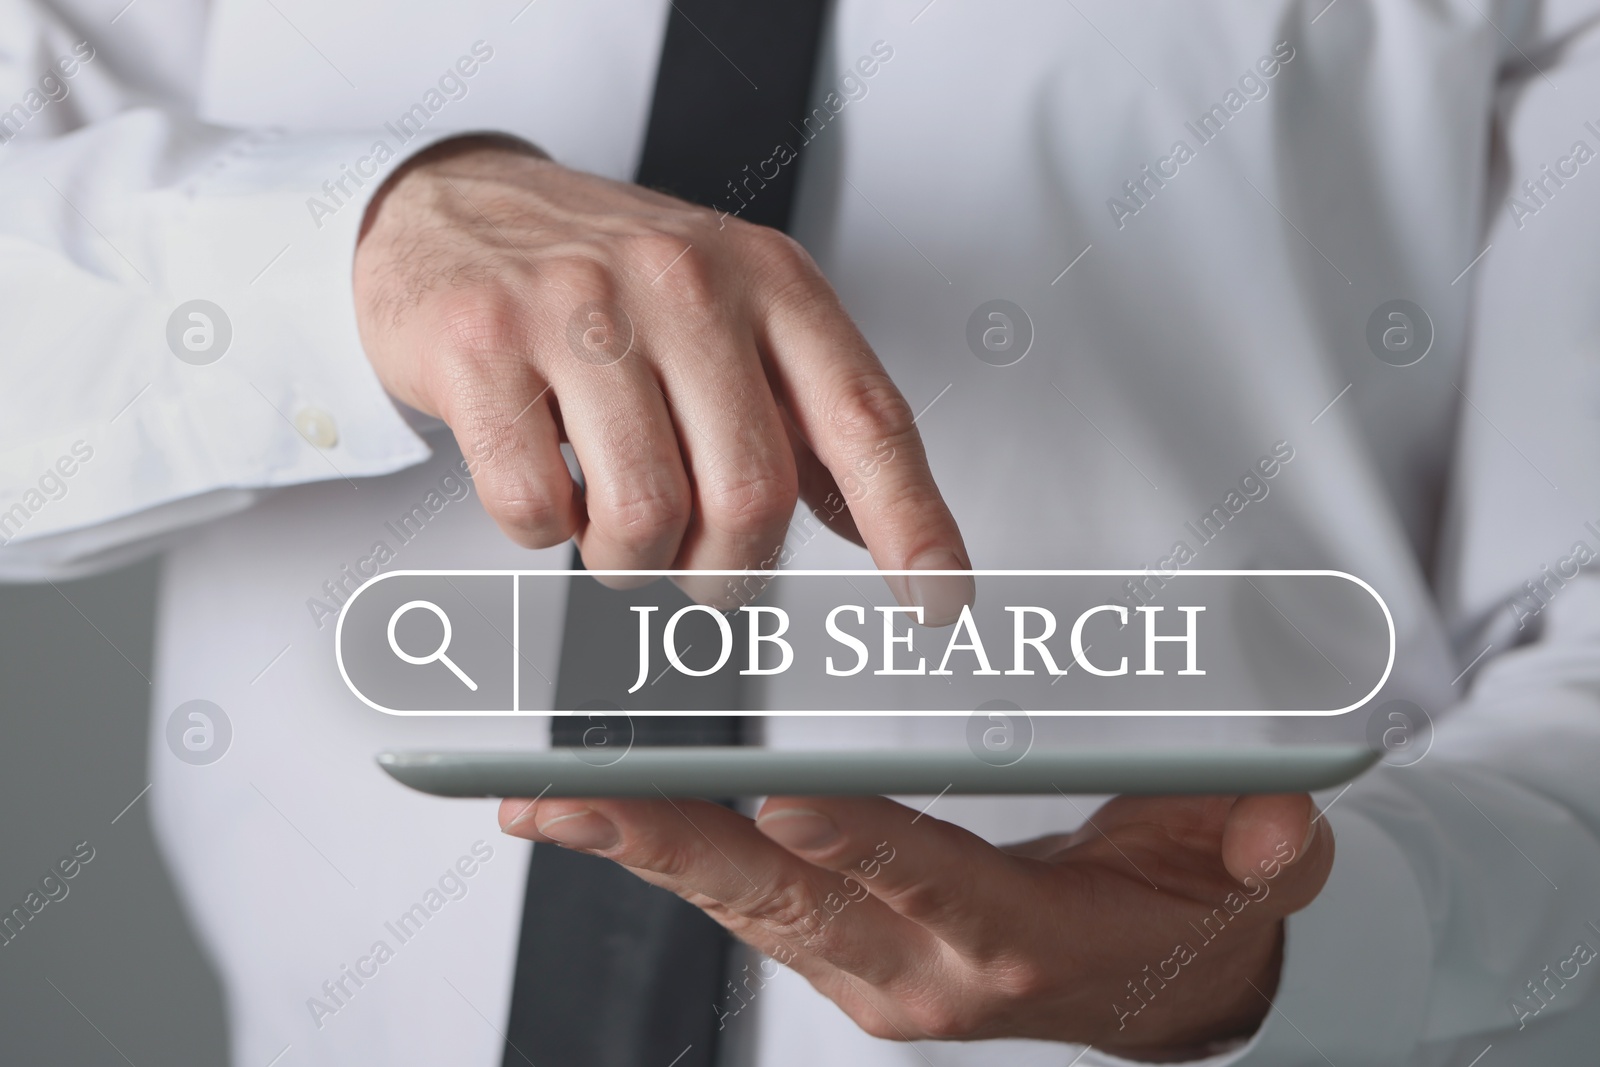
(1189, 311)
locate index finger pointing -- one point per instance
(857, 422)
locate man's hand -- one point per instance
(1153, 930)
(701, 368)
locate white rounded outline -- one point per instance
(1388, 618)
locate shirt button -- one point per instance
(317, 426)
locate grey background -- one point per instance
(74, 704)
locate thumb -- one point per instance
(1280, 838)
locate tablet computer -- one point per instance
(745, 771)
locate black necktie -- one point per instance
(611, 971)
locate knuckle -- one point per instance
(778, 257)
(645, 514)
(829, 940)
(942, 1018)
(655, 248)
(876, 1024)
(754, 505)
(945, 898)
(674, 862)
(1018, 978)
(784, 278)
(871, 408)
(684, 272)
(580, 278)
(479, 325)
(789, 907)
(920, 901)
(542, 517)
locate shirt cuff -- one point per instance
(239, 368)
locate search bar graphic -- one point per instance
(438, 654)
(1225, 643)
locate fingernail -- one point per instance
(799, 828)
(587, 829)
(1311, 835)
(522, 816)
(941, 596)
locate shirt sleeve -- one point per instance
(181, 333)
(1461, 908)
(1460, 912)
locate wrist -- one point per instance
(487, 145)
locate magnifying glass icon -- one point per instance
(438, 653)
